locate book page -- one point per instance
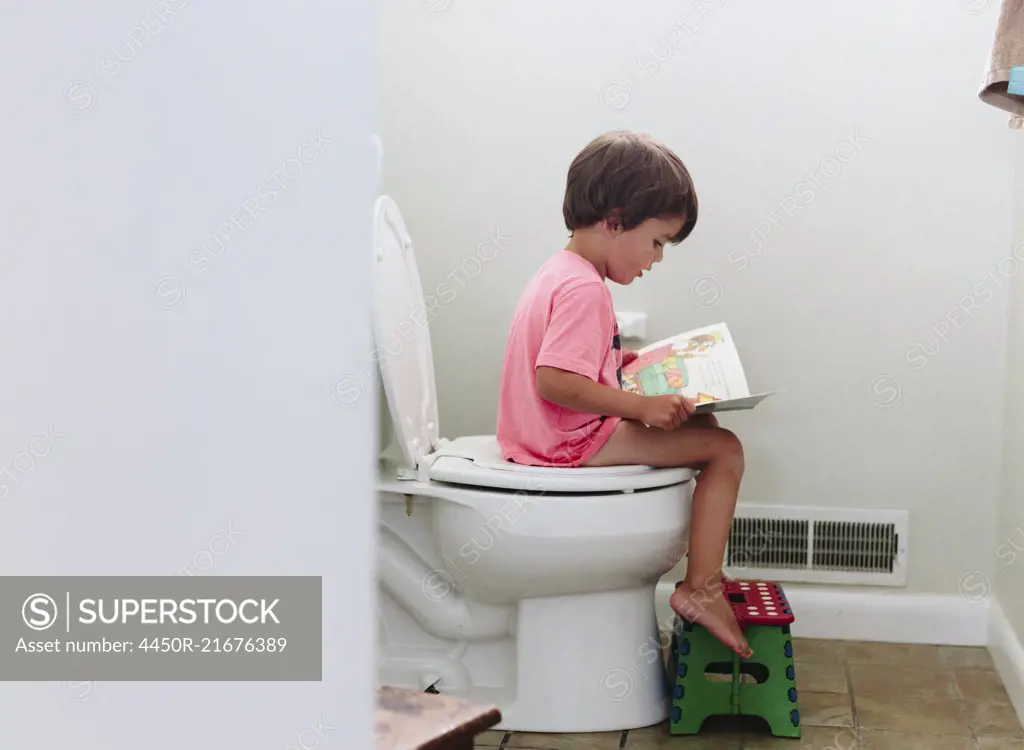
(703, 365)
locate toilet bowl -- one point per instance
(529, 588)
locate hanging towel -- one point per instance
(1003, 82)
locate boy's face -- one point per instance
(636, 250)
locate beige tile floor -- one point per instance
(852, 696)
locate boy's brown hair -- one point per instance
(630, 177)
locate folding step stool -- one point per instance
(764, 615)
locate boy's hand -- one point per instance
(666, 412)
(628, 355)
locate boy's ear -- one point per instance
(613, 221)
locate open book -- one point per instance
(702, 365)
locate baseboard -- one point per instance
(1008, 654)
(881, 616)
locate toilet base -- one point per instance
(588, 663)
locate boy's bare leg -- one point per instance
(718, 455)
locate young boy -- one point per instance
(561, 402)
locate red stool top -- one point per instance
(758, 602)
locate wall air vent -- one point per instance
(818, 545)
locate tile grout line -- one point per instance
(857, 733)
(622, 739)
(950, 664)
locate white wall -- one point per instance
(483, 107)
(1005, 562)
(181, 416)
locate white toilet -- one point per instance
(527, 588)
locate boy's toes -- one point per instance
(741, 647)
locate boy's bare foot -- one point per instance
(709, 608)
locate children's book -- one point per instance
(702, 365)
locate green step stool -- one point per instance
(764, 615)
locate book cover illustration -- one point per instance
(702, 365)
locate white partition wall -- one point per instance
(184, 274)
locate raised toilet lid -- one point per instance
(402, 336)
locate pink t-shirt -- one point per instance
(564, 319)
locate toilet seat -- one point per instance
(476, 461)
(406, 366)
